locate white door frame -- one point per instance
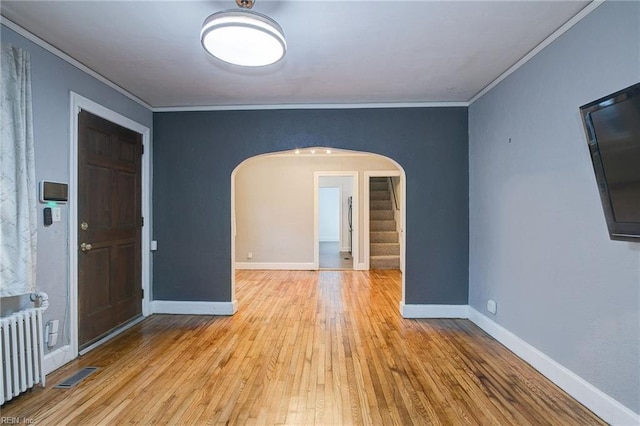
(77, 104)
(355, 206)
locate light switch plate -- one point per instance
(56, 214)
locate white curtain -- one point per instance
(18, 203)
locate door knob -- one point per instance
(85, 247)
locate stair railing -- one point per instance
(393, 191)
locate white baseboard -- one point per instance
(297, 266)
(610, 410)
(57, 358)
(193, 308)
(434, 311)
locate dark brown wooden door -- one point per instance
(109, 227)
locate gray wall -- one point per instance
(52, 81)
(538, 240)
(195, 153)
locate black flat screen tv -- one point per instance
(612, 126)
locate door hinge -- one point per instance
(142, 221)
(142, 150)
(142, 293)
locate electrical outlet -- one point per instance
(492, 306)
(53, 339)
(250, 255)
(51, 333)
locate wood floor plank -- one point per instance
(304, 348)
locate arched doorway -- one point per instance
(274, 200)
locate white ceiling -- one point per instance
(339, 52)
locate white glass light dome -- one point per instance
(243, 37)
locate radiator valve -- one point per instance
(41, 299)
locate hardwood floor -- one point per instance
(305, 348)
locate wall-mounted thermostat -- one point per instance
(54, 192)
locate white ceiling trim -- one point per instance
(546, 42)
(60, 54)
(313, 106)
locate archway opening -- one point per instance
(275, 202)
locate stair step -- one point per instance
(380, 205)
(384, 249)
(383, 237)
(384, 262)
(382, 225)
(381, 215)
(378, 186)
(379, 195)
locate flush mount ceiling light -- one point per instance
(243, 37)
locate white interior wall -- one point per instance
(329, 219)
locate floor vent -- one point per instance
(76, 378)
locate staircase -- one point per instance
(384, 246)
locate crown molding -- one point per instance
(60, 54)
(312, 106)
(546, 42)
